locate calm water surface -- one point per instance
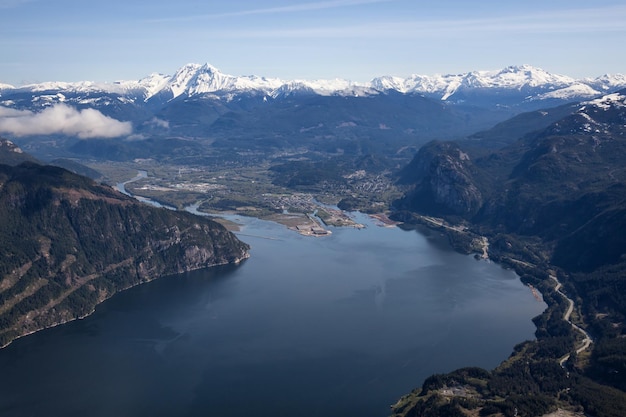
(338, 326)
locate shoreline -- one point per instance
(483, 253)
(524, 266)
(109, 296)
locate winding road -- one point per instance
(587, 341)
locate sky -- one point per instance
(357, 40)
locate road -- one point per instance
(587, 341)
(484, 242)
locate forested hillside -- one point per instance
(68, 243)
(553, 207)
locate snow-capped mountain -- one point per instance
(519, 82)
(199, 103)
(514, 83)
(198, 98)
(512, 78)
(194, 79)
(607, 82)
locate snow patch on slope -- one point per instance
(577, 90)
(606, 102)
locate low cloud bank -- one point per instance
(62, 119)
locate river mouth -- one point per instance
(337, 326)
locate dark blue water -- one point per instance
(335, 326)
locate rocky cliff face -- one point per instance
(68, 243)
(444, 181)
(564, 180)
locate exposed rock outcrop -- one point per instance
(444, 181)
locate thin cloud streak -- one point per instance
(297, 8)
(601, 19)
(574, 21)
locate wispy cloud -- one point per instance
(573, 20)
(295, 8)
(609, 19)
(62, 119)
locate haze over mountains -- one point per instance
(199, 109)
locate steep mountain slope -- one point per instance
(443, 181)
(556, 183)
(510, 130)
(69, 243)
(553, 203)
(570, 173)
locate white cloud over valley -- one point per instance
(62, 119)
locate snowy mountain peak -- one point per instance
(520, 78)
(516, 77)
(528, 71)
(389, 82)
(152, 84)
(193, 79)
(512, 83)
(290, 88)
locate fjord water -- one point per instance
(336, 326)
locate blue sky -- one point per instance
(108, 40)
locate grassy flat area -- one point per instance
(248, 191)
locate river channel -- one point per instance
(337, 326)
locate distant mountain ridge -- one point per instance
(200, 112)
(202, 108)
(190, 80)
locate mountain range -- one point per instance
(525, 81)
(200, 111)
